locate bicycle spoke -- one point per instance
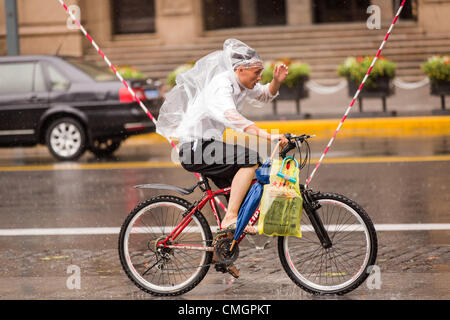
(338, 267)
(159, 268)
(151, 267)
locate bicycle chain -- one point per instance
(223, 253)
(218, 265)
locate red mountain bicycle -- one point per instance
(166, 245)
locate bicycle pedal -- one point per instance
(220, 267)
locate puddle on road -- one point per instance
(342, 147)
(387, 147)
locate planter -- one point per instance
(382, 90)
(295, 93)
(440, 88)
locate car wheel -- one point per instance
(66, 139)
(104, 148)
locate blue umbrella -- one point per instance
(251, 201)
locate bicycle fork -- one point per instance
(310, 206)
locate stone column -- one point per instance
(248, 12)
(97, 16)
(299, 12)
(178, 21)
(3, 49)
(386, 9)
(433, 15)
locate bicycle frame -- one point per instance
(309, 207)
(198, 205)
(196, 233)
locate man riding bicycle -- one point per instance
(206, 100)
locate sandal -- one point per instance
(251, 233)
(232, 228)
(231, 269)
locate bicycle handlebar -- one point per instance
(292, 142)
(300, 138)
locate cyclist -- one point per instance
(206, 100)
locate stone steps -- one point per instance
(263, 34)
(208, 43)
(323, 47)
(280, 48)
(391, 51)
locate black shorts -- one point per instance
(217, 160)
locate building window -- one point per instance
(271, 12)
(133, 16)
(409, 11)
(329, 11)
(219, 14)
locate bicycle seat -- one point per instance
(184, 191)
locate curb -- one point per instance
(360, 127)
(325, 128)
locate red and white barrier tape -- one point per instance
(107, 61)
(144, 108)
(356, 94)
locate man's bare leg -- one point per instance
(239, 186)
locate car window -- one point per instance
(16, 77)
(96, 72)
(39, 80)
(57, 81)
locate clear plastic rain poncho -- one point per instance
(195, 107)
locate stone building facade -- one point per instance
(43, 24)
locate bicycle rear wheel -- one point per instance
(341, 268)
(164, 271)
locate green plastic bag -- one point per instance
(281, 203)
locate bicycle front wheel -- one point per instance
(341, 268)
(164, 270)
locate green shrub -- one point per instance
(297, 71)
(356, 69)
(129, 72)
(437, 68)
(171, 78)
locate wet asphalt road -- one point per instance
(401, 187)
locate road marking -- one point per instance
(113, 230)
(412, 227)
(168, 164)
(91, 166)
(58, 231)
(383, 159)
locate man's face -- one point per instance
(249, 77)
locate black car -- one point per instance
(70, 105)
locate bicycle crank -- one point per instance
(223, 253)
